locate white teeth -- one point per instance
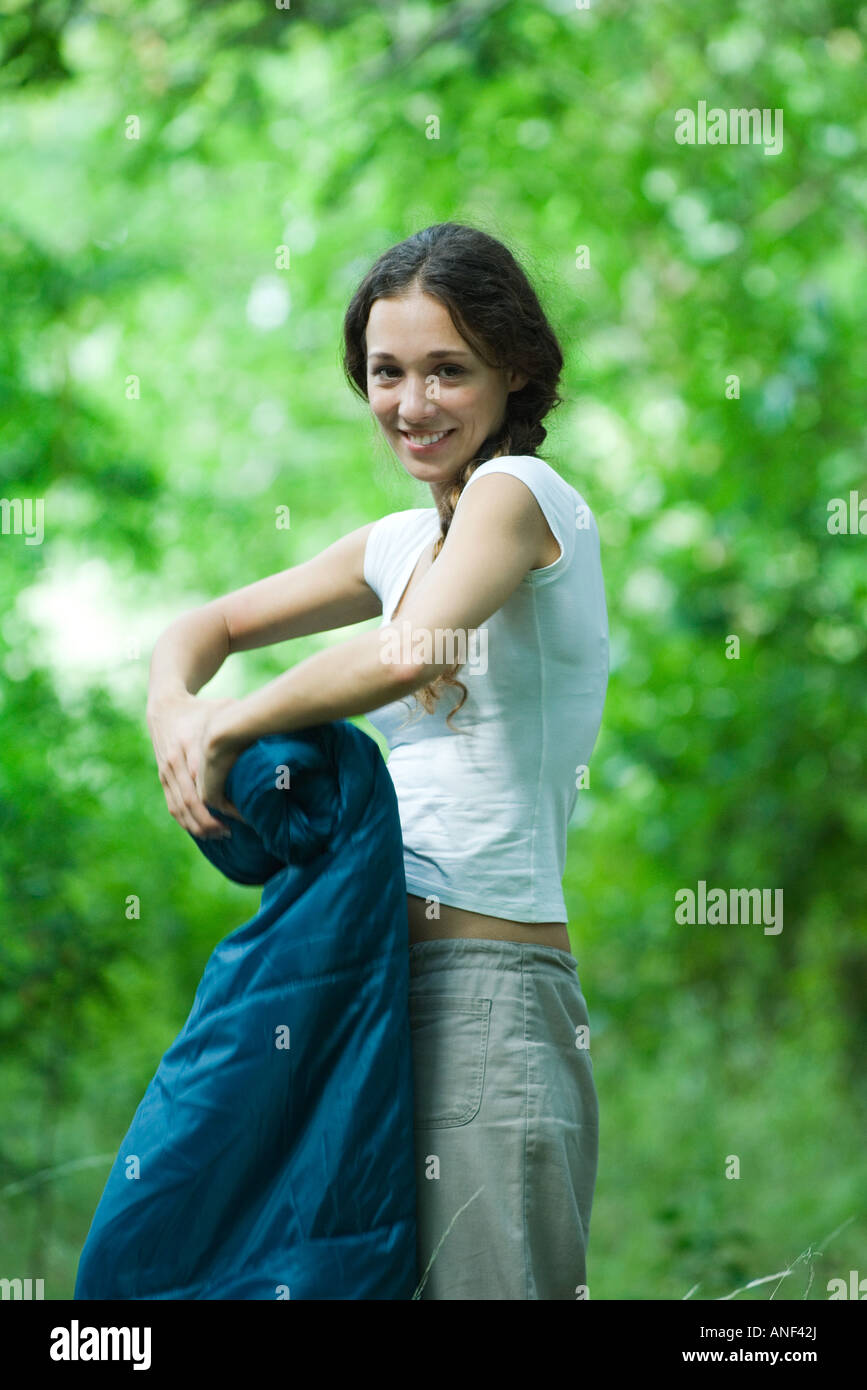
(427, 438)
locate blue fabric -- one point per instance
(269, 1171)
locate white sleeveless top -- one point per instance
(484, 814)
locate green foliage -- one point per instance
(166, 386)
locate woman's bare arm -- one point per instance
(318, 595)
(326, 592)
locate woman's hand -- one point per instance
(179, 730)
(213, 760)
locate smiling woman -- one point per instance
(407, 318)
(434, 401)
(446, 340)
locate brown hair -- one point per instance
(496, 310)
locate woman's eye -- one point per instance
(444, 367)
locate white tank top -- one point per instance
(484, 814)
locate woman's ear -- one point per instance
(517, 379)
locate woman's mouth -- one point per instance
(426, 443)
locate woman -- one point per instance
(500, 579)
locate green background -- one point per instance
(156, 258)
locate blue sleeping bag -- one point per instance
(272, 1154)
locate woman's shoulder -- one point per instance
(535, 471)
(563, 505)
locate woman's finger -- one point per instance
(220, 802)
(203, 822)
(198, 822)
(174, 801)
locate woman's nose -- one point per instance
(415, 403)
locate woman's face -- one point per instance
(423, 379)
